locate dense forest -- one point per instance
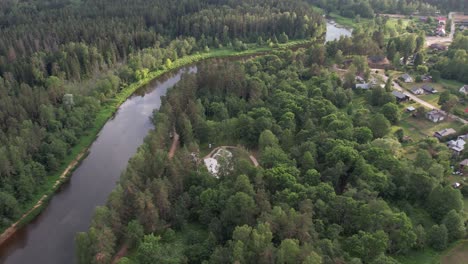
(369, 8)
(62, 61)
(332, 186)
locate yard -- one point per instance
(420, 128)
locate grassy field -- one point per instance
(108, 109)
(420, 128)
(456, 253)
(348, 22)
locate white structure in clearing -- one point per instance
(213, 162)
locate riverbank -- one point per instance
(79, 151)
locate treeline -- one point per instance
(369, 8)
(61, 61)
(332, 186)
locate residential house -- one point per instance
(429, 89)
(444, 132)
(406, 78)
(463, 165)
(363, 86)
(400, 97)
(417, 90)
(458, 145)
(464, 89)
(436, 115)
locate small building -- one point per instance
(436, 115)
(417, 90)
(442, 20)
(363, 86)
(457, 146)
(464, 89)
(429, 89)
(444, 132)
(359, 79)
(410, 109)
(426, 78)
(463, 164)
(400, 97)
(456, 185)
(406, 78)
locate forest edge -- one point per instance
(80, 150)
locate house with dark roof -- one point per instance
(400, 97)
(417, 90)
(429, 89)
(436, 115)
(444, 132)
(406, 78)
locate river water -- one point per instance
(335, 31)
(50, 237)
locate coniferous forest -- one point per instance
(326, 164)
(62, 61)
(331, 187)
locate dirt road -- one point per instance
(418, 100)
(443, 40)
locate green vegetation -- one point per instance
(333, 185)
(57, 91)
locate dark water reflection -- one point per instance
(50, 237)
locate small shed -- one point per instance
(417, 90)
(410, 109)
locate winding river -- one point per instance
(50, 237)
